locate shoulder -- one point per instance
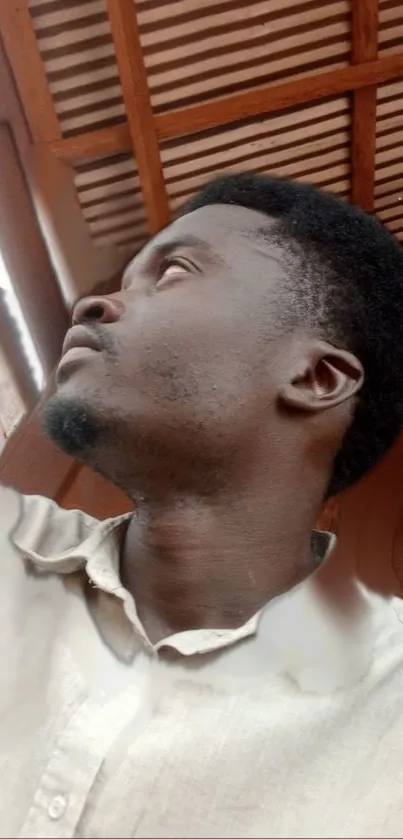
(54, 539)
(10, 515)
(34, 532)
(40, 544)
(46, 532)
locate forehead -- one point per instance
(220, 228)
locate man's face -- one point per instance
(189, 349)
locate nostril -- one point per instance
(95, 312)
(97, 309)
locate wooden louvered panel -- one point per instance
(390, 130)
(388, 93)
(396, 227)
(43, 11)
(77, 50)
(192, 58)
(391, 198)
(184, 22)
(262, 133)
(393, 213)
(18, 39)
(389, 144)
(311, 144)
(110, 197)
(79, 59)
(390, 26)
(318, 170)
(213, 68)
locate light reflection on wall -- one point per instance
(18, 315)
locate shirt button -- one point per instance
(57, 807)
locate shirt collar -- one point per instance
(102, 567)
(295, 633)
(98, 553)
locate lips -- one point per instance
(80, 337)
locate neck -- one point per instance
(195, 562)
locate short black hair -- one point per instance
(348, 271)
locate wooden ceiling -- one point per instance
(148, 99)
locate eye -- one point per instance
(173, 267)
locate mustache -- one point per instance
(106, 341)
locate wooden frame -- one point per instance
(270, 99)
(22, 49)
(364, 48)
(145, 130)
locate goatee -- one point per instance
(71, 425)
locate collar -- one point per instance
(65, 542)
(296, 633)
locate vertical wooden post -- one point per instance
(133, 77)
(363, 137)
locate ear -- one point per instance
(321, 378)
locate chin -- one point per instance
(72, 425)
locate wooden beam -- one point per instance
(365, 19)
(278, 97)
(133, 77)
(272, 98)
(103, 142)
(22, 50)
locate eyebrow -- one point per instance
(165, 248)
(185, 241)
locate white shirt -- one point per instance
(291, 726)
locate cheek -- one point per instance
(199, 374)
(187, 348)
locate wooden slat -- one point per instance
(365, 15)
(268, 99)
(278, 17)
(133, 77)
(23, 54)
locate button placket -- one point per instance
(72, 769)
(57, 807)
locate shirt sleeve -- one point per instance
(31, 613)
(46, 532)
(10, 515)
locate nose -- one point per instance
(99, 309)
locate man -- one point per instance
(183, 671)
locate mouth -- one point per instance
(79, 337)
(79, 343)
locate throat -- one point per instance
(193, 564)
